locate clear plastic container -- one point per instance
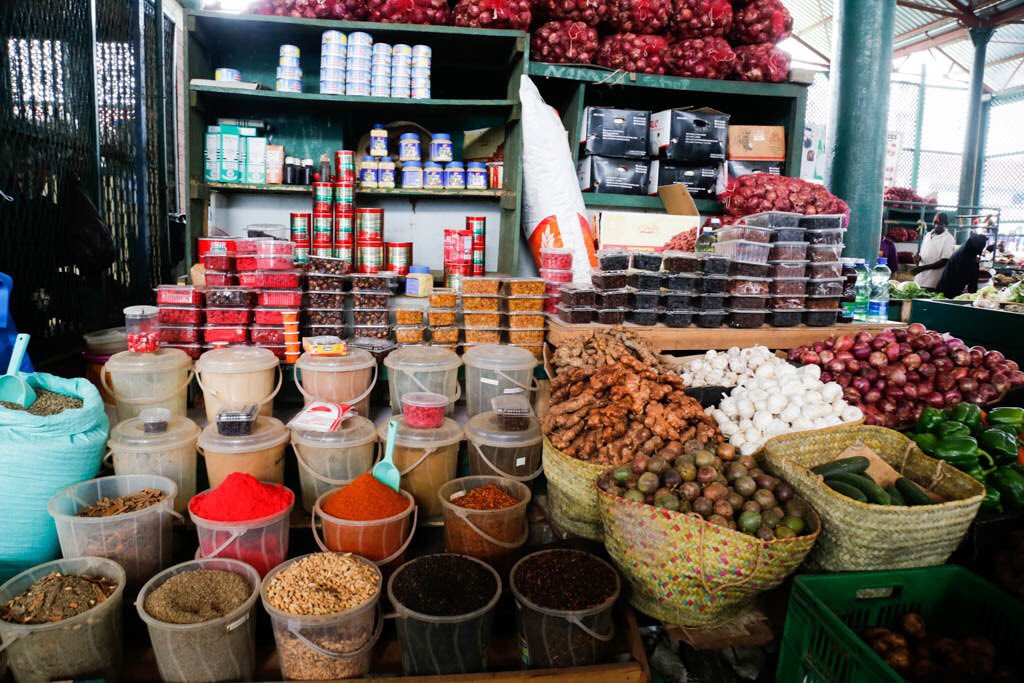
(226, 334)
(612, 298)
(613, 259)
(426, 458)
(83, 647)
(496, 450)
(824, 253)
(424, 410)
(238, 375)
(787, 269)
(180, 334)
(824, 221)
(748, 232)
(712, 264)
(748, 285)
(582, 635)
(680, 261)
(580, 315)
(641, 299)
(216, 278)
(785, 318)
(820, 318)
(789, 285)
(346, 379)
(710, 318)
(829, 287)
(228, 316)
(381, 541)
(142, 325)
(328, 646)
(423, 368)
(746, 319)
(641, 279)
(147, 380)
(494, 536)
(261, 543)
(788, 234)
(178, 295)
(495, 370)
(280, 298)
(830, 236)
(646, 260)
(774, 219)
(438, 646)
(745, 269)
(788, 251)
(556, 258)
(743, 250)
(221, 649)
(140, 446)
(237, 420)
(260, 454)
(513, 411)
(683, 283)
(606, 279)
(139, 541)
(106, 342)
(330, 459)
(830, 270)
(677, 318)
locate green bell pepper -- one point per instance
(1010, 484)
(976, 473)
(1000, 445)
(992, 500)
(929, 420)
(1009, 429)
(1007, 416)
(967, 414)
(926, 442)
(948, 428)
(959, 451)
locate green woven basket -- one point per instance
(572, 497)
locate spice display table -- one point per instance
(701, 339)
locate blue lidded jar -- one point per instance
(441, 147)
(409, 147)
(476, 175)
(412, 175)
(378, 140)
(454, 176)
(433, 176)
(368, 173)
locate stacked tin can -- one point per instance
(401, 71)
(369, 255)
(478, 226)
(458, 257)
(298, 226)
(289, 73)
(345, 211)
(380, 70)
(358, 63)
(333, 48)
(420, 77)
(322, 229)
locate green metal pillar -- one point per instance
(861, 69)
(970, 168)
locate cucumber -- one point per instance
(849, 491)
(855, 465)
(895, 495)
(912, 493)
(867, 486)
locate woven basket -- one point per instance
(865, 537)
(686, 571)
(572, 501)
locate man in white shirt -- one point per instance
(936, 248)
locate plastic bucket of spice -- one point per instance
(496, 370)
(444, 642)
(219, 649)
(260, 542)
(380, 540)
(331, 459)
(495, 450)
(551, 637)
(238, 375)
(139, 540)
(348, 379)
(426, 458)
(324, 646)
(148, 380)
(87, 645)
(157, 443)
(423, 368)
(260, 453)
(491, 529)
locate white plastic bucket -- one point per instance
(345, 379)
(426, 459)
(260, 454)
(330, 459)
(238, 375)
(170, 453)
(148, 380)
(423, 368)
(496, 370)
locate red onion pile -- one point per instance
(701, 58)
(760, 21)
(892, 376)
(564, 42)
(639, 16)
(766, 192)
(701, 18)
(590, 12)
(633, 52)
(433, 12)
(762, 63)
(905, 194)
(510, 14)
(313, 9)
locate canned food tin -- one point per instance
(402, 65)
(290, 51)
(421, 50)
(326, 252)
(345, 252)
(332, 50)
(420, 62)
(381, 82)
(357, 89)
(345, 165)
(333, 62)
(333, 37)
(401, 73)
(369, 257)
(400, 92)
(478, 226)
(478, 261)
(401, 82)
(380, 91)
(227, 75)
(378, 71)
(301, 238)
(382, 48)
(401, 49)
(332, 88)
(332, 73)
(454, 274)
(399, 257)
(299, 220)
(323, 192)
(369, 225)
(360, 38)
(343, 234)
(344, 192)
(358, 65)
(420, 93)
(358, 77)
(322, 239)
(421, 72)
(359, 52)
(288, 61)
(420, 83)
(289, 73)
(323, 222)
(301, 254)
(288, 85)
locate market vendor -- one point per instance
(963, 270)
(936, 248)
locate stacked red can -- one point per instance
(344, 208)
(299, 224)
(458, 257)
(556, 269)
(322, 243)
(181, 317)
(478, 226)
(398, 257)
(369, 256)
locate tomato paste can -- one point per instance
(399, 257)
(369, 257)
(345, 166)
(478, 261)
(344, 252)
(327, 252)
(343, 231)
(453, 275)
(369, 225)
(302, 253)
(299, 221)
(323, 198)
(478, 225)
(344, 191)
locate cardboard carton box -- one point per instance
(609, 175)
(615, 132)
(256, 160)
(275, 164)
(695, 136)
(701, 181)
(756, 149)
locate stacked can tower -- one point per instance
(380, 70)
(333, 49)
(322, 243)
(345, 215)
(298, 225)
(458, 257)
(289, 73)
(369, 256)
(358, 63)
(478, 226)
(420, 77)
(401, 71)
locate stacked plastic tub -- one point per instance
(746, 286)
(441, 318)
(326, 282)
(825, 235)
(556, 270)
(483, 311)
(181, 317)
(371, 306)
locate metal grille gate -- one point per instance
(69, 125)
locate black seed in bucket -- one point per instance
(565, 580)
(444, 585)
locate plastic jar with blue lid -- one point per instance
(454, 176)
(368, 172)
(441, 147)
(379, 140)
(412, 175)
(408, 146)
(476, 175)
(433, 176)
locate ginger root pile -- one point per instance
(608, 415)
(591, 351)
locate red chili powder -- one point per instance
(240, 498)
(365, 499)
(488, 497)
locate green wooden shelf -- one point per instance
(255, 188)
(203, 95)
(629, 201)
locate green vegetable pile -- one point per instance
(1014, 294)
(988, 447)
(910, 290)
(849, 477)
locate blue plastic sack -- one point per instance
(39, 456)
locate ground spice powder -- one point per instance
(565, 580)
(365, 499)
(240, 498)
(198, 595)
(487, 497)
(444, 585)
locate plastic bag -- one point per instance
(553, 211)
(39, 456)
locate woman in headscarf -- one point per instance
(962, 271)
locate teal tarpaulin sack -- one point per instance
(39, 456)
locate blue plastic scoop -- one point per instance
(385, 471)
(13, 389)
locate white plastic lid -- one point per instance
(448, 433)
(162, 360)
(354, 431)
(140, 312)
(424, 399)
(499, 357)
(106, 342)
(267, 432)
(131, 434)
(237, 359)
(354, 359)
(485, 430)
(422, 358)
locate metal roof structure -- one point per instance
(937, 26)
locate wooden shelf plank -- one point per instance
(250, 188)
(629, 201)
(204, 94)
(700, 339)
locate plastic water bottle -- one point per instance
(861, 291)
(705, 243)
(878, 303)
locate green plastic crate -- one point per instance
(826, 613)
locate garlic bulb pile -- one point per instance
(728, 368)
(779, 399)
